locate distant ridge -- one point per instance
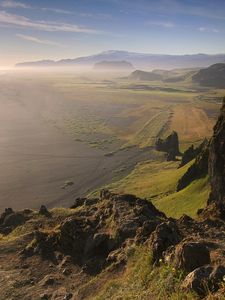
(213, 76)
(142, 61)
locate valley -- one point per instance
(90, 129)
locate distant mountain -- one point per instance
(113, 65)
(138, 60)
(144, 76)
(213, 76)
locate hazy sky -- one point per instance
(55, 29)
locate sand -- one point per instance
(36, 159)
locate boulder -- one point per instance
(13, 220)
(165, 235)
(191, 255)
(204, 279)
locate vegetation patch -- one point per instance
(143, 281)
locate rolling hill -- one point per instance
(144, 76)
(213, 76)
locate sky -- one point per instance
(56, 29)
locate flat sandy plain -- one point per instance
(60, 128)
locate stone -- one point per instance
(204, 279)
(191, 255)
(165, 235)
(13, 220)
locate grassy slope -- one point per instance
(143, 281)
(157, 180)
(188, 201)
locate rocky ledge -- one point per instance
(96, 234)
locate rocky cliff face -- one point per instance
(217, 160)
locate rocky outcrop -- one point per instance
(198, 170)
(217, 160)
(99, 229)
(9, 220)
(192, 152)
(99, 235)
(166, 234)
(191, 255)
(170, 145)
(204, 279)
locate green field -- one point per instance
(112, 108)
(157, 181)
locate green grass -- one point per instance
(151, 179)
(157, 181)
(187, 201)
(143, 281)
(148, 134)
(141, 114)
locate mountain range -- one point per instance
(138, 60)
